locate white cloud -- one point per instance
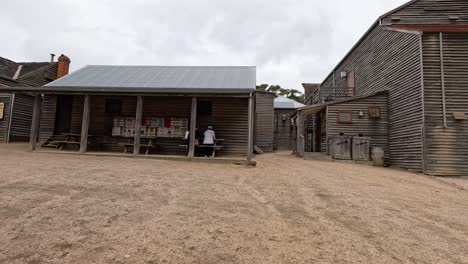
(290, 41)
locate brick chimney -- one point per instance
(63, 66)
(309, 88)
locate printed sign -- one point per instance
(2, 110)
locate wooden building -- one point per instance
(419, 54)
(264, 120)
(285, 108)
(146, 108)
(16, 109)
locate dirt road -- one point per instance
(75, 209)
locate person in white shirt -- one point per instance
(209, 141)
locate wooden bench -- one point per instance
(215, 148)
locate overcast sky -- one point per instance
(290, 41)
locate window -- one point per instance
(113, 106)
(204, 107)
(374, 112)
(345, 116)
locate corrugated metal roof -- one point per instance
(282, 102)
(160, 79)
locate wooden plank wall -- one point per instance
(229, 119)
(284, 133)
(5, 98)
(376, 129)
(47, 122)
(21, 118)
(264, 119)
(430, 12)
(446, 148)
(390, 60)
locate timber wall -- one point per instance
(4, 123)
(430, 12)
(264, 119)
(446, 148)
(21, 118)
(390, 60)
(376, 129)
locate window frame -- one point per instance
(350, 121)
(378, 108)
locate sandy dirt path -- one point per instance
(77, 209)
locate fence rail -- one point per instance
(326, 94)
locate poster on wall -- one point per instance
(167, 127)
(2, 110)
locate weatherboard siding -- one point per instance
(375, 129)
(4, 123)
(284, 134)
(430, 12)
(446, 148)
(264, 119)
(390, 60)
(21, 118)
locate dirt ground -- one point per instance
(76, 209)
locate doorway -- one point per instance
(63, 114)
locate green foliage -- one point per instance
(278, 90)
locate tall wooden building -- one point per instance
(418, 53)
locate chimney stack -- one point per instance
(52, 56)
(63, 66)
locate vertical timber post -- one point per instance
(137, 138)
(85, 125)
(193, 125)
(251, 125)
(35, 121)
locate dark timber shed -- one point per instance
(285, 108)
(103, 107)
(419, 54)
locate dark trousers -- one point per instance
(209, 149)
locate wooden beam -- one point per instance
(193, 126)
(85, 125)
(137, 138)
(251, 128)
(35, 121)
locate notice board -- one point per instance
(2, 110)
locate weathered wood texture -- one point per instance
(430, 12)
(264, 119)
(446, 148)
(376, 129)
(47, 123)
(390, 60)
(284, 132)
(21, 118)
(4, 123)
(229, 118)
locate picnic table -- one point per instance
(70, 139)
(130, 143)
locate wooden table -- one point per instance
(130, 143)
(215, 147)
(70, 139)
